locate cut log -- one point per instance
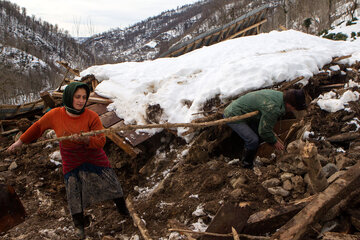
(343, 137)
(317, 177)
(342, 187)
(269, 220)
(137, 220)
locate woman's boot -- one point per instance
(121, 206)
(78, 220)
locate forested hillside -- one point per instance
(29, 49)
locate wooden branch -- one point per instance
(91, 99)
(291, 83)
(132, 127)
(341, 58)
(218, 234)
(137, 221)
(313, 212)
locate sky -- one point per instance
(226, 69)
(82, 18)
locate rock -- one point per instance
(286, 176)
(213, 165)
(287, 185)
(108, 238)
(273, 182)
(266, 160)
(213, 182)
(329, 169)
(298, 184)
(238, 182)
(237, 193)
(13, 166)
(4, 166)
(294, 147)
(278, 191)
(211, 207)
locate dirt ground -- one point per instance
(175, 184)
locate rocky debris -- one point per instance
(173, 179)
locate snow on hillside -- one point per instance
(182, 85)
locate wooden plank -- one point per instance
(229, 215)
(132, 136)
(99, 108)
(133, 152)
(91, 99)
(66, 65)
(269, 220)
(108, 119)
(342, 187)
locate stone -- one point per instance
(287, 185)
(329, 169)
(298, 184)
(273, 182)
(278, 191)
(286, 176)
(13, 166)
(237, 193)
(238, 182)
(4, 166)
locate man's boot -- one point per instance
(247, 160)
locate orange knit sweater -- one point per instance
(64, 125)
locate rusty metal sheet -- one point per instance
(108, 119)
(228, 216)
(12, 211)
(99, 108)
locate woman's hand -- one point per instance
(82, 139)
(15, 145)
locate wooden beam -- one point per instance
(47, 99)
(66, 65)
(316, 209)
(247, 29)
(133, 152)
(91, 99)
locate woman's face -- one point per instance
(79, 99)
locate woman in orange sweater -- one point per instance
(89, 177)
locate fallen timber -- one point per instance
(132, 127)
(317, 208)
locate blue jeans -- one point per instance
(248, 134)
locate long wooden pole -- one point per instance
(132, 127)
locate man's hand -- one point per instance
(15, 145)
(279, 146)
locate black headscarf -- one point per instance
(69, 94)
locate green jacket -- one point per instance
(270, 105)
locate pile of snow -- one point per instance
(182, 85)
